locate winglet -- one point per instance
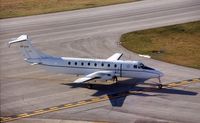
(19, 39)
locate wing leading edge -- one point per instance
(104, 75)
(115, 57)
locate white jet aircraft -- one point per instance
(103, 69)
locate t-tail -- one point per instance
(30, 54)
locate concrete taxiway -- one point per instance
(95, 33)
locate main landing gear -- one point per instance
(89, 86)
(115, 79)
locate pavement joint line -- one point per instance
(92, 100)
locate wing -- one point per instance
(84, 79)
(105, 75)
(115, 56)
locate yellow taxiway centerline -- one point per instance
(92, 100)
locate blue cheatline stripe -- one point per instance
(94, 68)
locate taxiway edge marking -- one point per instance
(91, 100)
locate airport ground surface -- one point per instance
(95, 33)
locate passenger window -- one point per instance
(82, 63)
(69, 63)
(95, 64)
(115, 65)
(102, 64)
(108, 65)
(135, 66)
(75, 63)
(88, 63)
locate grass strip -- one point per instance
(17, 8)
(177, 44)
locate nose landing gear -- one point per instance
(160, 86)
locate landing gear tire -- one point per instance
(115, 79)
(160, 86)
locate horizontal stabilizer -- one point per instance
(19, 39)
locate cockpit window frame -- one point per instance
(144, 67)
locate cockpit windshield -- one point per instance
(141, 65)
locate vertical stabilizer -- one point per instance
(28, 51)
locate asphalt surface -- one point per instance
(95, 33)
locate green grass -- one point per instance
(177, 44)
(16, 8)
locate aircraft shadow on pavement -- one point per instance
(124, 87)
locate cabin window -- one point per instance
(134, 66)
(115, 65)
(75, 63)
(95, 64)
(102, 64)
(108, 65)
(69, 63)
(82, 63)
(88, 63)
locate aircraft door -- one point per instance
(118, 70)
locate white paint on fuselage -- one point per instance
(82, 66)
